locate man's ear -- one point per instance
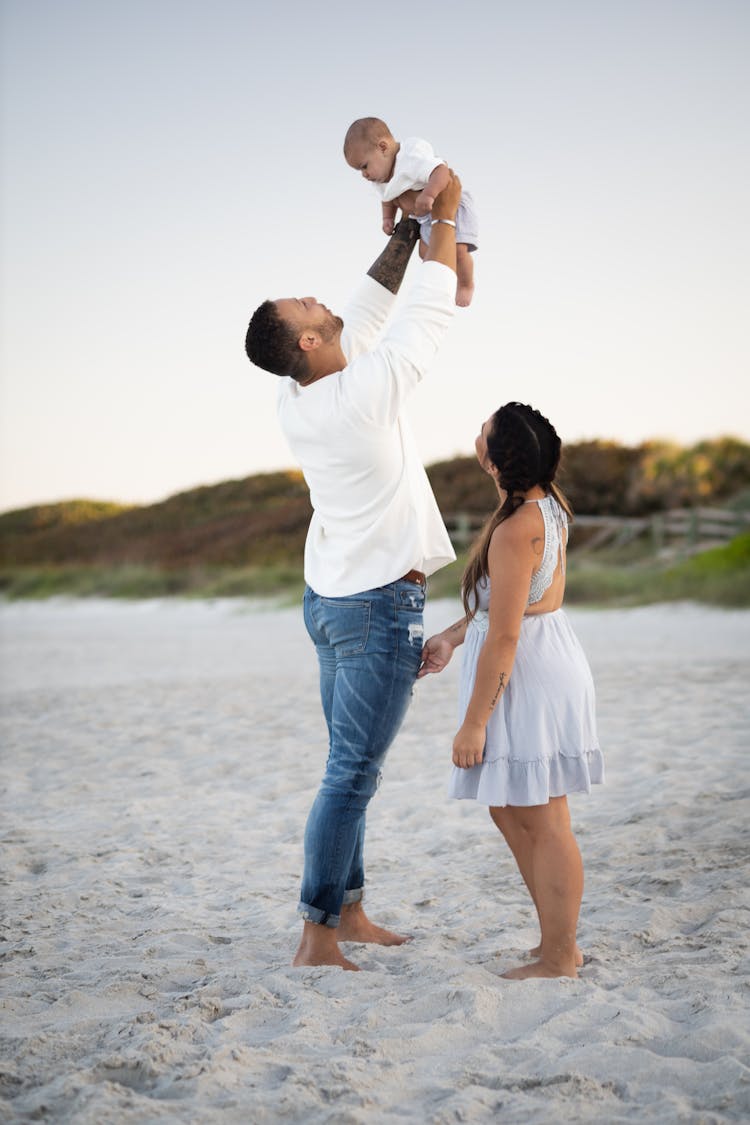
(309, 341)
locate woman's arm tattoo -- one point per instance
(500, 690)
(389, 269)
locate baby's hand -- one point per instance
(423, 203)
(388, 226)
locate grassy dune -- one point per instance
(719, 577)
(246, 537)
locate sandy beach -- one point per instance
(158, 762)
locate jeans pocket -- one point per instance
(347, 624)
(410, 597)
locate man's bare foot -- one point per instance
(538, 969)
(464, 293)
(319, 946)
(537, 952)
(305, 957)
(356, 926)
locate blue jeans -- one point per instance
(369, 649)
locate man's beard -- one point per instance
(329, 328)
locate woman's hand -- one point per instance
(468, 746)
(436, 653)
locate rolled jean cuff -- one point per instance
(319, 917)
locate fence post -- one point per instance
(657, 531)
(463, 530)
(692, 535)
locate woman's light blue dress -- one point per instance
(541, 738)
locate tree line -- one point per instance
(262, 519)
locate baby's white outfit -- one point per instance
(415, 162)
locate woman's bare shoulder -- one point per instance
(520, 537)
(518, 528)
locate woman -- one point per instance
(528, 729)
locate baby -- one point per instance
(410, 176)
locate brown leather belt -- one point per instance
(415, 576)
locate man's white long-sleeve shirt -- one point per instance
(375, 517)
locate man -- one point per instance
(375, 534)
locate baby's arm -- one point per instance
(439, 178)
(389, 215)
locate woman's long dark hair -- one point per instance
(524, 447)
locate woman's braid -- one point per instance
(524, 447)
(550, 446)
(514, 448)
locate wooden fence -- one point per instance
(694, 529)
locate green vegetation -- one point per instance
(257, 521)
(720, 576)
(246, 537)
(634, 576)
(151, 582)
(45, 517)
(603, 478)
(90, 581)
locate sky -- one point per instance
(168, 164)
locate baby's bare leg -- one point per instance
(464, 275)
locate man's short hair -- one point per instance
(273, 344)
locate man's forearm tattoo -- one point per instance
(389, 269)
(500, 690)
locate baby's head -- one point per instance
(370, 148)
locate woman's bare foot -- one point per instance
(537, 952)
(356, 926)
(319, 946)
(464, 293)
(539, 969)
